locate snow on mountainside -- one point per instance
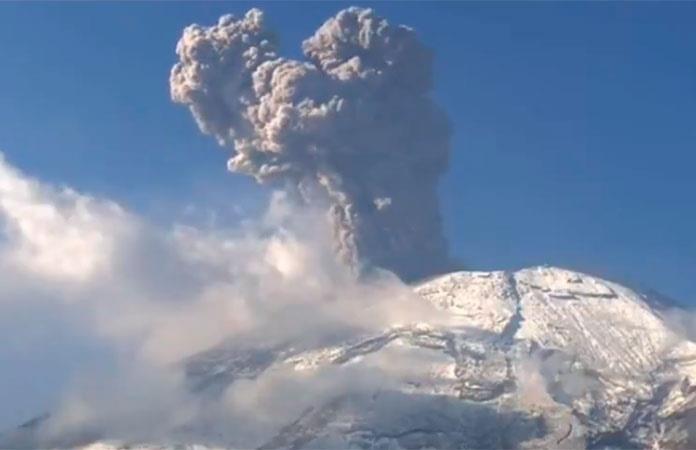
(539, 358)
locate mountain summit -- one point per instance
(539, 358)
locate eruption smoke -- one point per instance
(354, 125)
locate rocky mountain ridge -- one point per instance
(539, 358)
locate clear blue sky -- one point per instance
(575, 132)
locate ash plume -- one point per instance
(353, 126)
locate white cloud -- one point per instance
(53, 232)
(153, 296)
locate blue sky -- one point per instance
(574, 126)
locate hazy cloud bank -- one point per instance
(153, 297)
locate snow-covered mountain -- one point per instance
(539, 358)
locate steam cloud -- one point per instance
(354, 125)
(150, 297)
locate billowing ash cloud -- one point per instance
(353, 125)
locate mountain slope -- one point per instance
(539, 358)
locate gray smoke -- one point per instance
(354, 125)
